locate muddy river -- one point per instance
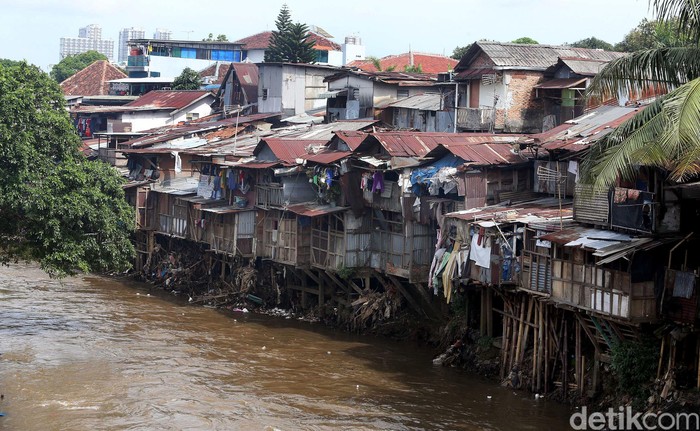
(92, 353)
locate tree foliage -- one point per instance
(290, 42)
(74, 63)
(666, 133)
(415, 68)
(653, 35)
(219, 38)
(526, 40)
(56, 207)
(459, 52)
(189, 79)
(593, 43)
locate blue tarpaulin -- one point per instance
(425, 174)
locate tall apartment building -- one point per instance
(89, 39)
(92, 31)
(124, 36)
(163, 34)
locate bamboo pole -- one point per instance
(521, 328)
(540, 347)
(526, 335)
(547, 349)
(579, 369)
(564, 360)
(535, 335)
(697, 355)
(661, 357)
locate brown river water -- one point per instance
(92, 353)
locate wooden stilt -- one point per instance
(505, 340)
(535, 340)
(547, 350)
(489, 312)
(577, 353)
(661, 357)
(305, 284)
(526, 334)
(564, 361)
(482, 314)
(519, 334)
(697, 355)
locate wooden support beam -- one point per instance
(406, 294)
(311, 275)
(587, 330)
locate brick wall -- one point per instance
(524, 113)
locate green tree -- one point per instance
(593, 43)
(377, 63)
(667, 132)
(289, 42)
(653, 34)
(526, 40)
(74, 63)
(189, 79)
(56, 207)
(219, 38)
(459, 52)
(416, 68)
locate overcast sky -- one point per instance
(31, 29)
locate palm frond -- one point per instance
(655, 69)
(617, 154)
(681, 139)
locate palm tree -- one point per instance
(665, 134)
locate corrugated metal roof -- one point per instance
(540, 211)
(177, 186)
(386, 77)
(577, 134)
(352, 138)
(168, 99)
(526, 56)
(487, 154)
(584, 66)
(228, 209)
(602, 241)
(247, 74)
(312, 209)
(411, 144)
(423, 102)
(473, 73)
(288, 150)
(326, 157)
(559, 83)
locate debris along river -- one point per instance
(95, 353)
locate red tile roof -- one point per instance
(92, 81)
(322, 43)
(429, 63)
(262, 41)
(256, 41)
(167, 99)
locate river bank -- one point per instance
(451, 336)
